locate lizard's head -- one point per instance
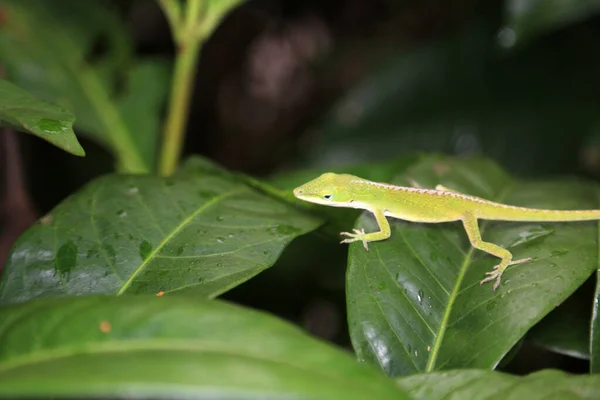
(328, 189)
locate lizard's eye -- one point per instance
(328, 196)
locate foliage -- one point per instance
(112, 293)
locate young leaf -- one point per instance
(23, 112)
(171, 347)
(414, 300)
(527, 19)
(202, 231)
(477, 384)
(78, 54)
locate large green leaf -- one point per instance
(527, 19)
(202, 231)
(23, 112)
(414, 301)
(78, 54)
(171, 347)
(476, 385)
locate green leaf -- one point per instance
(203, 231)
(476, 384)
(171, 347)
(25, 113)
(527, 19)
(142, 102)
(566, 330)
(414, 301)
(79, 55)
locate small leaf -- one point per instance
(414, 300)
(201, 231)
(477, 384)
(23, 112)
(171, 347)
(527, 19)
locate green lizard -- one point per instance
(430, 206)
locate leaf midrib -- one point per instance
(124, 346)
(437, 344)
(170, 236)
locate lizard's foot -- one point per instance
(353, 237)
(499, 269)
(495, 274)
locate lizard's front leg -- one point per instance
(472, 229)
(359, 234)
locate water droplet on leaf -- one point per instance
(145, 249)
(66, 258)
(50, 126)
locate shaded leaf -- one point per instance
(527, 19)
(457, 95)
(414, 301)
(202, 231)
(23, 112)
(171, 347)
(477, 384)
(78, 54)
(141, 104)
(566, 330)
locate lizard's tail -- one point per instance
(512, 213)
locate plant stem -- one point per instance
(172, 11)
(188, 42)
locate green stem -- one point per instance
(172, 11)
(188, 43)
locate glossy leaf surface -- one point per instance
(171, 347)
(414, 300)
(23, 112)
(202, 231)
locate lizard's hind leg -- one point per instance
(472, 229)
